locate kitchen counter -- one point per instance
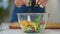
(6, 30)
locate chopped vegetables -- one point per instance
(33, 29)
(39, 19)
(24, 23)
(42, 22)
(30, 26)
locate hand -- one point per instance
(19, 3)
(26, 2)
(41, 3)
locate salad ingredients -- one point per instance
(30, 26)
(37, 26)
(33, 29)
(42, 22)
(28, 29)
(24, 23)
(39, 19)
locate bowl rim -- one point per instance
(32, 13)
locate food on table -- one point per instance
(26, 23)
(30, 26)
(37, 25)
(28, 29)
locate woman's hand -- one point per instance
(19, 3)
(26, 2)
(41, 3)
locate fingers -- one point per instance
(37, 1)
(18, 3)
(41, 3)
(26, 2)
(44, 3)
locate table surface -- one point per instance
(6, 30)
(18, 31)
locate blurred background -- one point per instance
(6, 9)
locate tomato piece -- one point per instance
(33, 29)
(42, 22)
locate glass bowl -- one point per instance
(32, 22)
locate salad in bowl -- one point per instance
(32, 22)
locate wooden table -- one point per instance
(50, 25)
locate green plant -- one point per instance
(3, 13)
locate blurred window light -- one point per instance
(5, 3)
